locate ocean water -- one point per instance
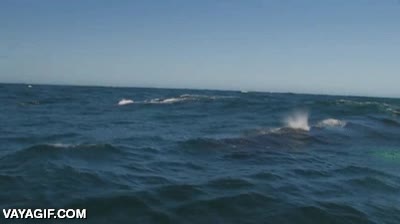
(137, 155)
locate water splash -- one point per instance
(298, 120)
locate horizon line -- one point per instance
(197, 89)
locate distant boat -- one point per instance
(29, 86)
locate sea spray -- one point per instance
(298, 120)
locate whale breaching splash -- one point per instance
(298, 120)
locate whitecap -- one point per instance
(125, 102)
(172, 100)
(184, 98)
(331, 122)
(163, 101)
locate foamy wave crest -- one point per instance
(164, 101)
(331, 122)
(172, 100)
(298, 121)
(361, 103)
(394, 111)
(182, 98)
(125, 102)
(380, 105)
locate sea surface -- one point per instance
(139, 155)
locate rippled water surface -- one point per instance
(136, 155)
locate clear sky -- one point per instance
(311, 46)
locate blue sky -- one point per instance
(309, 46)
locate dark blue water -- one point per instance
(186, 156)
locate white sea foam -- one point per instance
(172, 100)
(164, 101)
(269, 131)
(395, 111)
(181, 98)
(380, 105)
(331, 122)
(362, 103)
(298, 120)
(125, 102)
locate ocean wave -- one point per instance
(311, 173)
(382, 106)
(55, 150)
(266, 176)
(373, 130)
(188, 204)
(76, 146)
(185, 97)
(360, 103)
(327, 212)
(229, 183)
(179, 192)
(386, 121)
(388, 155)
(295, 133)
(166, 100)
(41, 138)
(281, 138)
(395, 111)
(61, 145)
(331, 122)
(351, 170)
(374, 183)
(227, 205)
(30, 103)
(123, 102)
(173, 100)
(122, 208)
